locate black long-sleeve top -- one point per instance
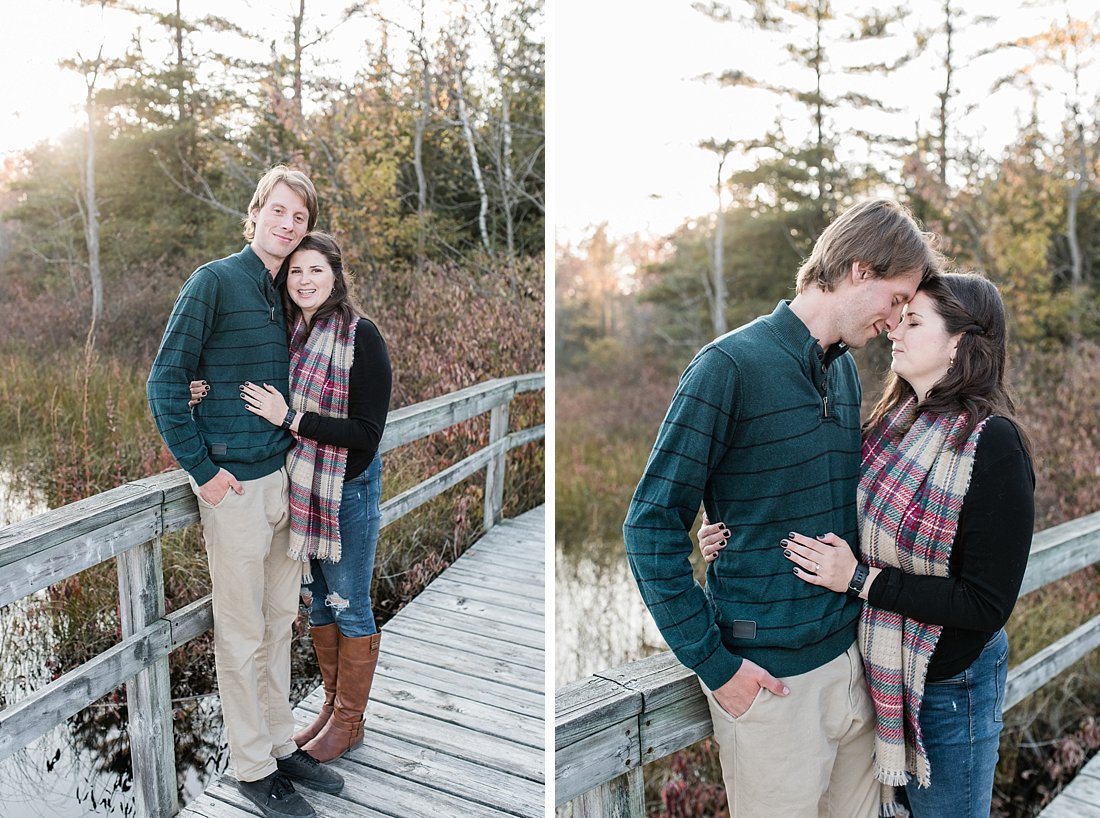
(369, 383)
(988, 557)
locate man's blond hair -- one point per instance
(879, 233)
(293, 179)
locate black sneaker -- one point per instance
(300, 766)
(275, 797)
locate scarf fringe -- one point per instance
(892, 778)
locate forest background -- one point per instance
(632, 308)
(425, 140)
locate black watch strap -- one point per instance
(859, 578)
(289, 419)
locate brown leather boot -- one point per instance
(358, 658)
(326, 645)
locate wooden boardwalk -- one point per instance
(1081, 798)
(455, 724)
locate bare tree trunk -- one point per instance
(1080, 182)
(945, 96)
(505, 165)
(468, 133)
(181, 102)
(90, 210)
(418, 144)
(297, 67)
(718, 304)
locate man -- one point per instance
(227, 327)
(764, 430)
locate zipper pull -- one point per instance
(825, 401)
(273, 313)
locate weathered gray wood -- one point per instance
(397, 507)
(190, 621)
(1037, 670)
(478, 625)
(57, 556)
(149, 693)
(500, 596)
(73, 522)
(38, 713)
(594, 760)
(179, 506)
(1062, 549)
(457, 775)
(458, 603)
(468, 645)
(494, 473)
(428, 417)
(621, 797)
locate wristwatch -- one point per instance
(289, 419)
(855, 585)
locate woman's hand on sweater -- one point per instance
(265, 401)
(712, 538)
(826, 560)
(199, 390)
(737, 695)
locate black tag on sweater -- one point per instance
(743, 629)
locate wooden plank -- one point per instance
(419, 420)
(495, 684)
(489, 751)
(1062, 550)
(466, 644)
(178, 504)
(453, 709)
(1040, 668)
(73, 523)
(494, 596)
(41, 711)
(478, 625)
(494, 471)
(494, 788)
(622, 797)
(589, 707)
(57, 555)
(397, 507)
(460, 603)
(149, 693)
(191, 620)
(1067, 805)
(513, 580)
(593, 760)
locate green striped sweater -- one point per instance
(764, 430)
(227, 327)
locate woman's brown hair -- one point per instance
(340, 301)
(970, 304)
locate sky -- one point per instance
(39, 100)
(630, 109)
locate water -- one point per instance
(82, 767)
(600, 619)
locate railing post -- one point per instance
(622, 797)
(494, 472)
(149, 693)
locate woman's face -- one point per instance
(309, 281)
(923, 350)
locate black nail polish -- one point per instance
(790, 534)
(784, 542)
(786, 553)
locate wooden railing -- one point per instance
(126, 524)
(610, 725)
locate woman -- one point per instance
(946, 509)
(340, 382)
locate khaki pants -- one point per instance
(804, 755)
(255, 600)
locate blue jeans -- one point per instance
(961, 721)
(340, 591)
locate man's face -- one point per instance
(280, 225)
(870, 306)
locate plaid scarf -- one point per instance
(319, 367)
(912, 485)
